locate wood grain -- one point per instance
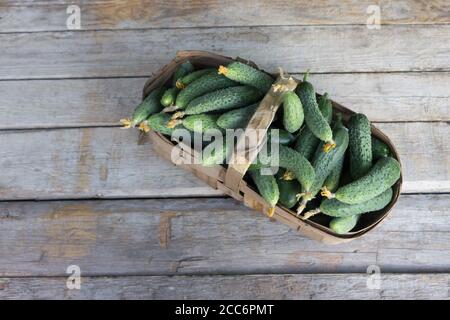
(115, 163)
(115, 14)
(385, 97)
(286, 286)
(211, 236)
(141, 52)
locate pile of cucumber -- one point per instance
(333, 171)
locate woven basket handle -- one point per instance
(240, 160)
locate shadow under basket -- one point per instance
(216, 176)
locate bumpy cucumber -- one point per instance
(288, 191)
(267, 187)
(298, 164)
(223, 99)
(182, 70)
(335, 208)
(360, 145)
(191, 77)
(150, 105)
(382, 176)
(169, 97)
(236, 119)
(379, 149)
(314, 119)
(158, 122)
(306, 143)
(205, 84)
(292, 112)
(284, 137)
(201, 122)
(344, 225)
(324, 163)
(247, 75)
(332, 181)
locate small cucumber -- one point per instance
(191, 77)
(284, 137)
(245, 74)
(298, 164)
(214, 155)
(344, 225)
(335, 208)
(205, 84)
(201, 122)
(360, 145)
(382, 176)
(182, 70)
(158, 122)
(288, 191)
(223, 99)
(292, 112)
(169, 97)
(238, 118)
(379, 149)
(315, 120)
(306, 143)
(150, 105)
(267, 187)
(332, 181)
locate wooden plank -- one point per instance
(288, 286)
(383, 97)
(141, 52)
(211, 236)
(115, 14)
(112, 163)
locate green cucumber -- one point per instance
(344, 225)
(335, 208)
(150, 105)
(214, 155)
(245, 74)
(205, 84)
(360, 145)
(284, 137)
(182, 70)
(292, 112)
(306, 143)
(191, 77)
(169, 97)
(379, 149)
(158, 122)
(298, 164)
(223, 99)
(238, 118)
(314, 118)
(381, 177)
(201, 122)
(267, 187)
(288, 191)
(333, 179)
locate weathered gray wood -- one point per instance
(92, 102)
(111, 163)
(287, 286)
(114, 14)
(141, 52)
(188, 236)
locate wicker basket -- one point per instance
(230, 180)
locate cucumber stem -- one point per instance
(302, 206)
(127, 123)
(222, 70)
(173, 123)
(170, 109)
(330, 145)
(180, 85)
(271, 212)
(327, 193)
(144, 127)
(310, 213)
(178, 115)
(305, 76)
(288, 175)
